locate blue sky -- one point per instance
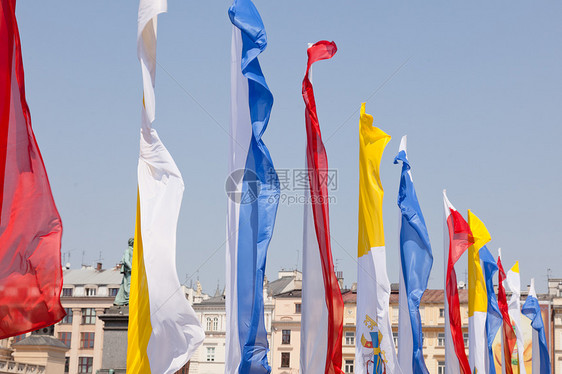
(476, 86)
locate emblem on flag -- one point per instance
(376, 365)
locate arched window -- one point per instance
(209, 324)
(216, 324)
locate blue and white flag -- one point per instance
(532, 310)
(416, 261)
(494, 318)
(253, 188)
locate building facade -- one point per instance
(285, 343)
(210, 356)
(89, 291)
(286, 333)
(555, 338)
(86, 294)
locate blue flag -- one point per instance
(253, 187)
(416, 261)
(532, 310)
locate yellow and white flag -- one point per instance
(164, 331)
(374, 344)
(477, 298)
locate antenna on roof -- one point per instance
(83, 254)
(337, 264)
(66, 256)
(298, 258)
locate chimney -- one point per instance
(98, 266)
(339, 276)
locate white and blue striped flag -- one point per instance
(251, 213)
(416, 261)
(532, 310)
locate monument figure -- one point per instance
(122, 297)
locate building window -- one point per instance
(348, 366)
(65, 338)
(113, 291)
(210, 354)
(87, 340)
(216, 324)
(90, 292)
(441, 367)
(441, 339)
(285, 359)
(85, 364)
(88, 316)
(395, 338)
(286, 337)
(298, 308)
(67, 364)
(68, 318)
(67, 292)
(209, 323)
(184, 369)
(465, 336)
(349, 338)
(441, 312)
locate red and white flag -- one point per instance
(322, 304)
(30, 225)
(456, 243)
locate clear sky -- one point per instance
(477, 86)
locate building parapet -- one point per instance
(8, 367)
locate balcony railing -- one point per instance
(19, 368)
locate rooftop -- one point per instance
(215, 300)
(43, 340)
(289, 294)
(89, 275)
(279, 286)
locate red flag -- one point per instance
(30, 226)
(460, 238)
(508, 335)
(317, 163)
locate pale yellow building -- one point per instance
(286, 333)
(285, 347)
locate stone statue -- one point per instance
(122, 297)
